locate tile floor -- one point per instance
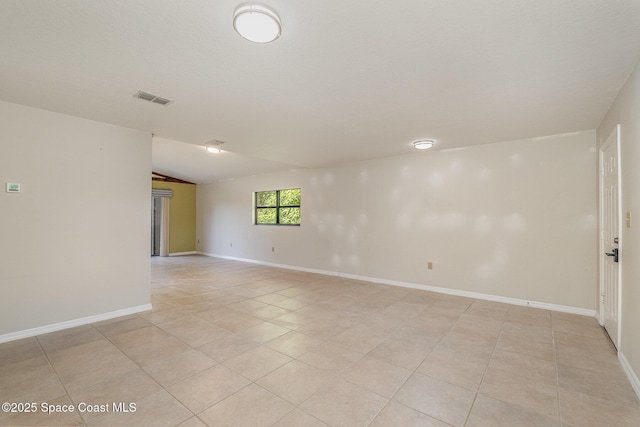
(237, 344)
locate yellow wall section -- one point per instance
(182, 216)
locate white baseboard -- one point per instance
(437, 289)
(72, 323)
(633, 378)
(183, 253)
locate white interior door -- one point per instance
(610, 233)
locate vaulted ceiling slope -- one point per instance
(347, 80)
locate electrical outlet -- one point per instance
(430, 265)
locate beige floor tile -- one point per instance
(272, 298)
(448, 367)
(488, 412)
(163, 313)
(112, 328)
(526, 367)
(330, 357)
(401, 354)
(43, 416)
(80, 368)
(247, 292)
(295, 382)
(20, 350)
(131, 386)
(263, 332)
(298, 418)
(478, 325)
(179, 367)
(207, 388)
(377, 376)
(227, 347)
(236, 321)
(526, 346)
(612, 386)
(156, 350)
(158, 410)
(404, 310)
(192, 422)
(540, 398)
(588, 411)
(490, 312)
(270, 312)
(482, 340)
(293, 320)
(32, 380)
(182, 324)
(69, 338)
(525, 357)
(256, 363)
(438, 399)
(529, 316)
(595, 361)
(201, 335)
(574, 324)
(293, 344)
(341, 403)
(394, 415)
(137, 337)
(471, 351)
(416, 337)
(592, 344)
(248, 305)
(531, 332)
(359, 339)
(324, 329)
(290, 304)
(252, 406)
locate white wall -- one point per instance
(626, 112)
(514, 219)
(75, 242)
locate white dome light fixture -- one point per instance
(257, 23)
(423, 144)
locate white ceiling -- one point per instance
(348, 80)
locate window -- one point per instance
(278, 207)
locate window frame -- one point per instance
(277, 207)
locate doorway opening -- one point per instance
(160, 222)
(156, 225)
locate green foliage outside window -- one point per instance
(278, 207)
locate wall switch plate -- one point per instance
(13, 187)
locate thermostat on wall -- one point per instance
(13, 187)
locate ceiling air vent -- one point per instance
(152, 98)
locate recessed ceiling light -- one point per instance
(213, 146)
(256, 22)
(423, 144)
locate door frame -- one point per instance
(601, 246)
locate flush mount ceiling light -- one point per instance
(257, 23)
(213, 146)
(423, 144)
